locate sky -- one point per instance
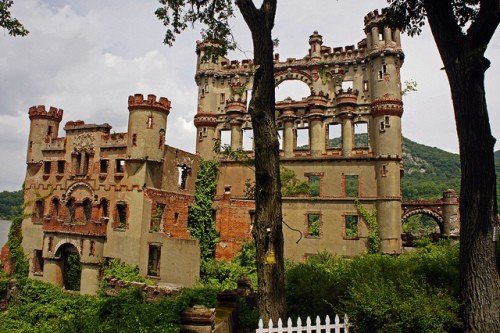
(87, 57)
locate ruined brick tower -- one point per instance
(345, 138)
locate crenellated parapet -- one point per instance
(39, 112)
(205, 120)
(138, 102)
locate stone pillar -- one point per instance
(375, 37)
(451, 216)
(317, 140)
(387, 35)
(236, 135)
(52, 271)
(397, 37)
(288, 138)
(89, 283)
(347, 134)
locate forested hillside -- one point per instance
(10, 204)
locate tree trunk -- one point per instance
(267, 229)
(465, 65)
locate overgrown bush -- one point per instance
(413, 292)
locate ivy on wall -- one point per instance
(370, 218)
(20, 264)
(201, 221)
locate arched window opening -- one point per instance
(294, 89)
(87, 210)
(70, 210)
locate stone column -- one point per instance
(347, 134)
(375, 37)
(236, 135)
(288, 137)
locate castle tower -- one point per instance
(44, 125)
(147, 125)
(384, 48)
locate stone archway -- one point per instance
(424, 211)
(70, 266)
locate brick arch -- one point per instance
(65, 243)
(293, 74)
(424, 211)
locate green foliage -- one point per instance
(290, 184)
(313, 225)
(201, 221)
(10, 204)
(370, 218)
(420, 225)
(13, 26)
(414, 292)
(122, 271)
(409, 87)
(19, 261)
(73, 271)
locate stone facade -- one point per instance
(101, 195)
(345, 138)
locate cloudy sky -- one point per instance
(87, 57)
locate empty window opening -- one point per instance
(334, 135)
(351, 226)
(49, 130)
(247, 139)
(387, 121)
(60, 166)
(249, 97)
(55, 207)
(313, 225)
(347, 85)
(206, 88)
(50, 244)
(39, 209)
(302, 136)
(176, 218)
(365, 85)
(134, 140)
(383, 170)
(361, 135)
(103, 166)
(120, 165)
(76, 159)
(104, 208)
(382, 126)
(71, 210)
(184, 171)
(121, 214)
(225, 138)
(280, 138)
(314, 186)
(351, 186)
(87, 210)
(222, 98)
(154, 260)
(38, 262)
(157, 217)
(292, 89)
(46, 167)
(150, 122)
(252, 219)
(92, 248)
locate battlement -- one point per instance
(138, 102)
(79, 125)
(39, 112)
(374, 17)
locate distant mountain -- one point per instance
(428, 171)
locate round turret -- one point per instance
(44, 126)
(147, 125)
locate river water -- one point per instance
(4, 231)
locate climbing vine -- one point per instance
(201, 221)
(370, 218)
(324, 73)
(20, 264)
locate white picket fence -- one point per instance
(327, 327)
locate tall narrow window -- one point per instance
(351, 226)
(60, 167)
(351, 186)
(150, 122)
(247, 139)
(39, 209)
(314, 185)
(103, 166)
(120, 165)
(302, 137)
(49, 130)
(222, 98)
(121, 214)
(156, 219)
(154, 260)
(38, 262)
(334, 135)
(71, 209)
(55, 207)
(361, 135)
(176, 218)
(46, 167)
(313, 225)
(183, 175)
(87, 210)
(225, 138)
(104, 208)
(252, 219)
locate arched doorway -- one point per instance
(419, 224)
(71, 267)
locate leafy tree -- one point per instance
(462, 30)
(13, 26)
(267, 231)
